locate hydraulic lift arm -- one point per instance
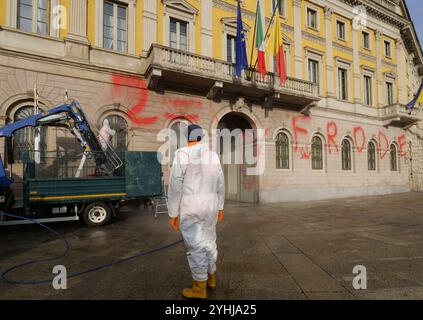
(67, 115)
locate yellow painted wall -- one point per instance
(372, 50)
(91, 21)
(63, 32)
(348, 30)
(3, 12)
(138, 27)
(320, 15)
(393, 49)
(250, 6)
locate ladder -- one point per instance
(161, 204)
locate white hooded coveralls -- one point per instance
(105, 134)
(196, 193)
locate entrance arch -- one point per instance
(238, 185)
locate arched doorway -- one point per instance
(239, 185)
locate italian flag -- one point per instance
(261, 60)
(276, 49)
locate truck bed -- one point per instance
(70, 190)
(141, 177)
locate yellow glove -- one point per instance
(220, 215)
(174, 223)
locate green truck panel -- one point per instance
(141, 177)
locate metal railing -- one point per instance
(60, 165)
(189, 62)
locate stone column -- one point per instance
(356, 67)
(379, 75)
(329, 53)
(149, 24)
(206, 28)
(401, 70)
(298, 46)
(76, 39)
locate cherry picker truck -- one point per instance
(55, 190)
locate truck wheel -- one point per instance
(97, 214)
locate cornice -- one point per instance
(313, 37)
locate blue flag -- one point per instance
(241, 60)
(417, 99)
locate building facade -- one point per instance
(337, 127)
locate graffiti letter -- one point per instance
(141, 103)
(359, 147)
(332, 131)
(402, 141)
(298, 130)
(383, 152)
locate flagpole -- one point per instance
(254, 40)
(268, 28)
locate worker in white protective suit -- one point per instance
(106, 134)
(196, 197)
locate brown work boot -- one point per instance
(198, 290)
(211, 282)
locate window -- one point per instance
(346, 155)
(115, 26)
(230, 48)
(33, 16)
(389, 93)
(316, 153)
(387, 49)
(371, 156)
(119, 140)
(340, 30)
(279, 5)
(367, 90)
(24, 139)
(178, 34)
(313, 70)
(282, 151)
(393, 157)
(342, 84)
(311, 18)
(365, 40)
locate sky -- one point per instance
(416, 10)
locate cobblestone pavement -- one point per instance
(280, 251)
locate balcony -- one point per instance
(397, 115)
(215, 78)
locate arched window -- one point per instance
(393, 157)
(346, 155)
(24, 139)
(316, 153)
(282, 151)
(180, 138)
(119, 141)
(371, 156)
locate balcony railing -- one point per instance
(186, 62)
(399, 114)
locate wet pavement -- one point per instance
(279, 251)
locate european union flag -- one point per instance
(241, 60)
(417, 99)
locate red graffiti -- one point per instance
(402, 141)
(332, 131)
(381, 136)
(189, 117)
(299, 130)
(359, 146)
(130, 81)
(305, 154)
(183, 102)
